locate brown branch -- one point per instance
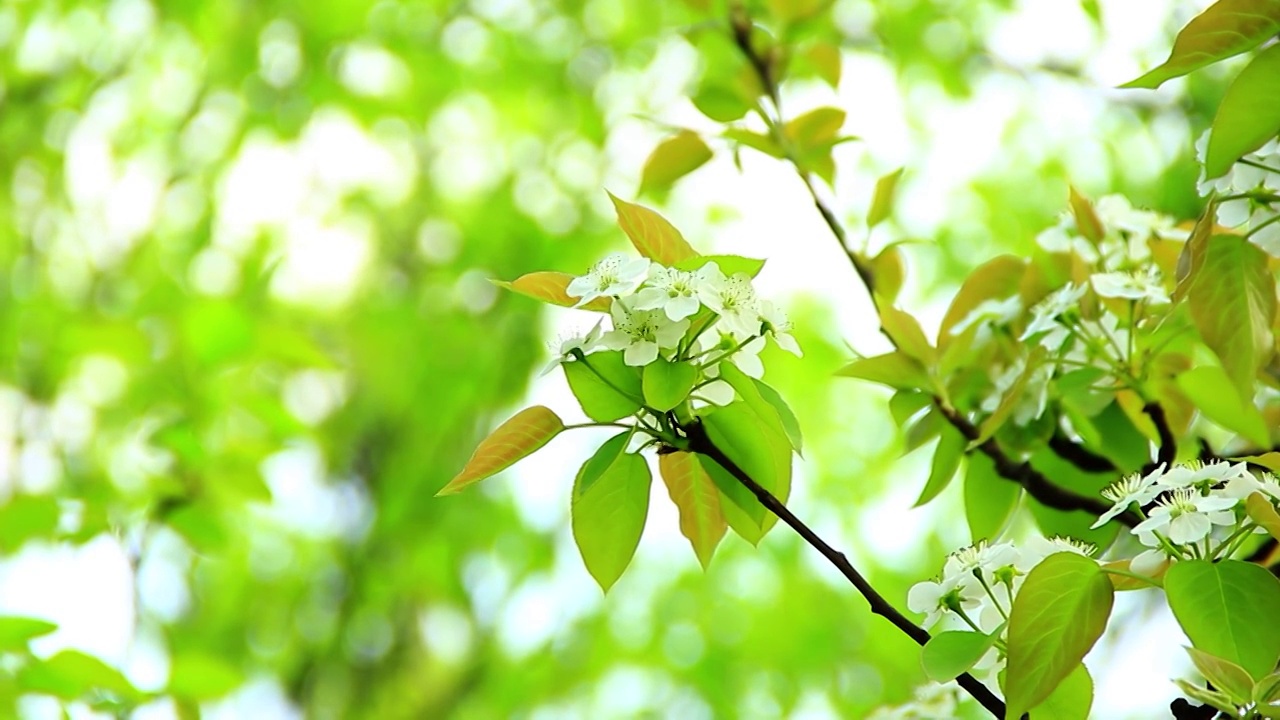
(1168, 450)
(1079, 456)
(701, 444)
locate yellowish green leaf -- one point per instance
(674, 158)
(609, 508)
(514, 439)
(1249, 114)
(882, 200)
(996, 279)
(1226, 28)
(895, 369)
(651, 234)
(1233, 303)
(907, 336)
(549, 287)
(1262, 512)
(697, 499)
(1087, 221)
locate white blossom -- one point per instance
(1045, 314)
(1134, 488)
(581, 343)
(1245, 484)
(987, 314)
(614, 276)
(1186, 516)
(1197, 473)
(1133, 286)
(733, 299)
(778, 326)
(640, 334)
(673, 291)
(951, 591)
(1033, 398)
(1037, 548)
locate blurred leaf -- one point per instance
(549, 287)
(1212, 392)
(610, 505)
(1226, 28)
(26, 517)
(16, 632)
(721, 104)
(1087, 221)
(756, 141)
(907, 336)
(946, 460)
(607, 388)
(889, 273)
(698, 500)
(71, 674)
(517, 438)
(651, 234)
(201, 676)
(1249, 115)
(790, 11)
(989, 500)
(815, 128)
(674, 158)
(882, 200)
(825, 58)
(1057, 616)
(1262, 512)
(895, 369)
(996, 279)
(666, 384)
(1227, 609)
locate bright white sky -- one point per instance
(293, 188)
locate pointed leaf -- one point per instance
(1087, 221)
(996, 279)
(607, 388)
(674, 158)
(815, 128)
(651, 234)
(755, 445)
(1057, 616)
(1213, 393)
(549, 287)
(907, 336)
(1228, 609)
(882, 200)
(71, 674)
(1225, 675)
(946, 460)
(16, 632)
(514, 439)
(742, 512)
(202, 676)
(756, 141)
(950, 654)
(1262, 512)
(729, 264)
(1226, 28)
(697, 499)
(825, 58)
(889, 272)
(747, 389)
(790, 423)
(666, 384)
(895, 369)
(1249, 115)
(610, 505)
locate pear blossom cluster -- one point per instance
(976, 588)
(930, 701)
(701, 315)
(1249, 194)
(1192, 510)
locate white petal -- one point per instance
(650, 299)
(1147, 562)
(682, 307)
(1188, 528)
(616, 340)
(718, 392)
(670, 335)
(923, 597)
(788, 343)
(579, 286)
(749, 364)
(1159, 518)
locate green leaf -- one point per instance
(742, 511)
(889, 272)
(906, 404)
(989, 500)
(609, 508)
(674, 158)
(1262, 512)
(71, 674)
(198, 675)
(1233, 303)
(1225, 675)
(607, 388)
(730, 265)
(882, 200)
(666, 384)
(1249, 115)
(1087, 221)
(16, 632)
(1057, 616)
(514, 439)
(1213, 393)
(755, 445)
(825, 59)
(720, 103)
(1226, 28)
(1071, 700)
(895, 369)
(1013, 397)
(1268, 460)
(996, 279)
(1267, 690)
(950, 654)
(1228, 609)
(697, 498)
(790, 423)
(651, 234)
(792, 11)
(549, 287)
(756, 141)
(907, 336)
(26, 517)
(1207, 696)
(946, 460)
(766, 413)
(815, 128)
(1071, 523)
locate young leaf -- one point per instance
(757, 447)
(514, 439)
(790, 424)
(756, 141)
(1057, 616)
(16, 632)
(720, 103)
(888, 270)
(946, 460)
(1071, 700)
(729, 264)
(950, 654)
(996, 279)
(666, 384)
(906, 334)
(1233, 302)
(825, 58)
(815, 128)
(742, 511)
(882, 200)
(610, 505)
(696, 497)
(1227, 609)
(1267, 690)
(549, 287)
(1213, 393)
(651, 234)
(1249, 115)
(71, 674)
(766, 414)
(895, 369)
(1262, 512)
(1225, 675)
(674, 158)
(1226, 28)
(607, 388)
(989, 500)
(1207, 697)
(202, 676)
(1087, 221)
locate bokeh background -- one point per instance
(248, 331)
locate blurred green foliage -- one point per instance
(247, 334)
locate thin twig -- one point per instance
(701, 444)
(1079, 456)
(1168, 450)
